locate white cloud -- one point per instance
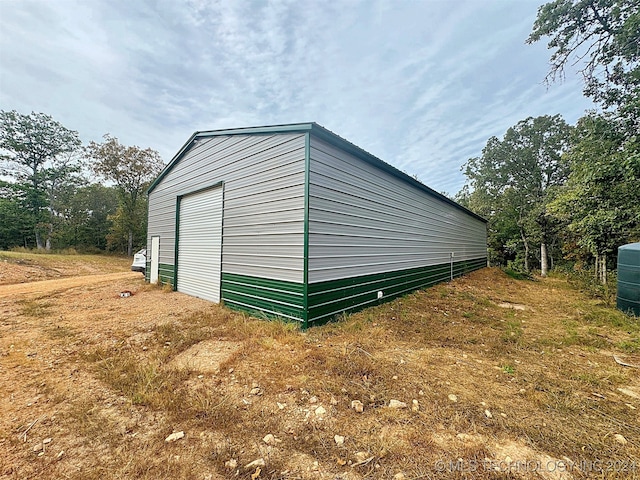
(422, 85)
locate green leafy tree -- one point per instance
(16, 223)
(120, 231)
(601, 201)
(602, 37)
(87, 219)
(130, 169)
(40, 155)
(512, 182)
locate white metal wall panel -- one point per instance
(200, 244)
(263, 179)
(363, 220)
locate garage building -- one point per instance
(296, 222)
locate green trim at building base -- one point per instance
(165, 273)
(273, 298)
(267, 298)
(331, 298)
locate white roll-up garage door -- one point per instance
(200, 244)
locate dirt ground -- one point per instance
(20, 267)
(483, 377)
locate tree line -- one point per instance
(557, 192)
(48, 199)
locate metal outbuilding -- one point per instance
(297, 222)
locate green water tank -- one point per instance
(629, 278)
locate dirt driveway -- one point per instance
(46, 328)
(47, 287)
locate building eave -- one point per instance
(321, 133)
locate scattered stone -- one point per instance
(60, 455)
(503, 415)
(361, 456)
(488, 414)
(270, 439)
(231, 464)
(453, 398)
(256, 474)
(313, 399)
(174, 436)
(320, 411)
(334, 401)
(46, 441)
(399, 476)
(41, 453)
(397, 404)
(522, 391)
(357, 406)
(281, 405)
(620, 439)
(513, 306)
(231, 371)
(395, 377)
(421, 393)
(256, 391)
(629, 392)
(415, 405)
(37, 447)
(339, 439)
(259, 462)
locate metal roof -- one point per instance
(320, 132)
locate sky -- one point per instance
(420, 84)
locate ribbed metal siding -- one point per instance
(364, 221)
(263, 204)
(200, 244)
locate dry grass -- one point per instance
(108, 392)
(29, 266)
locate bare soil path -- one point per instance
(49, 286)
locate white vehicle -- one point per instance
(140, 261)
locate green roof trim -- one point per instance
(323, 134)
